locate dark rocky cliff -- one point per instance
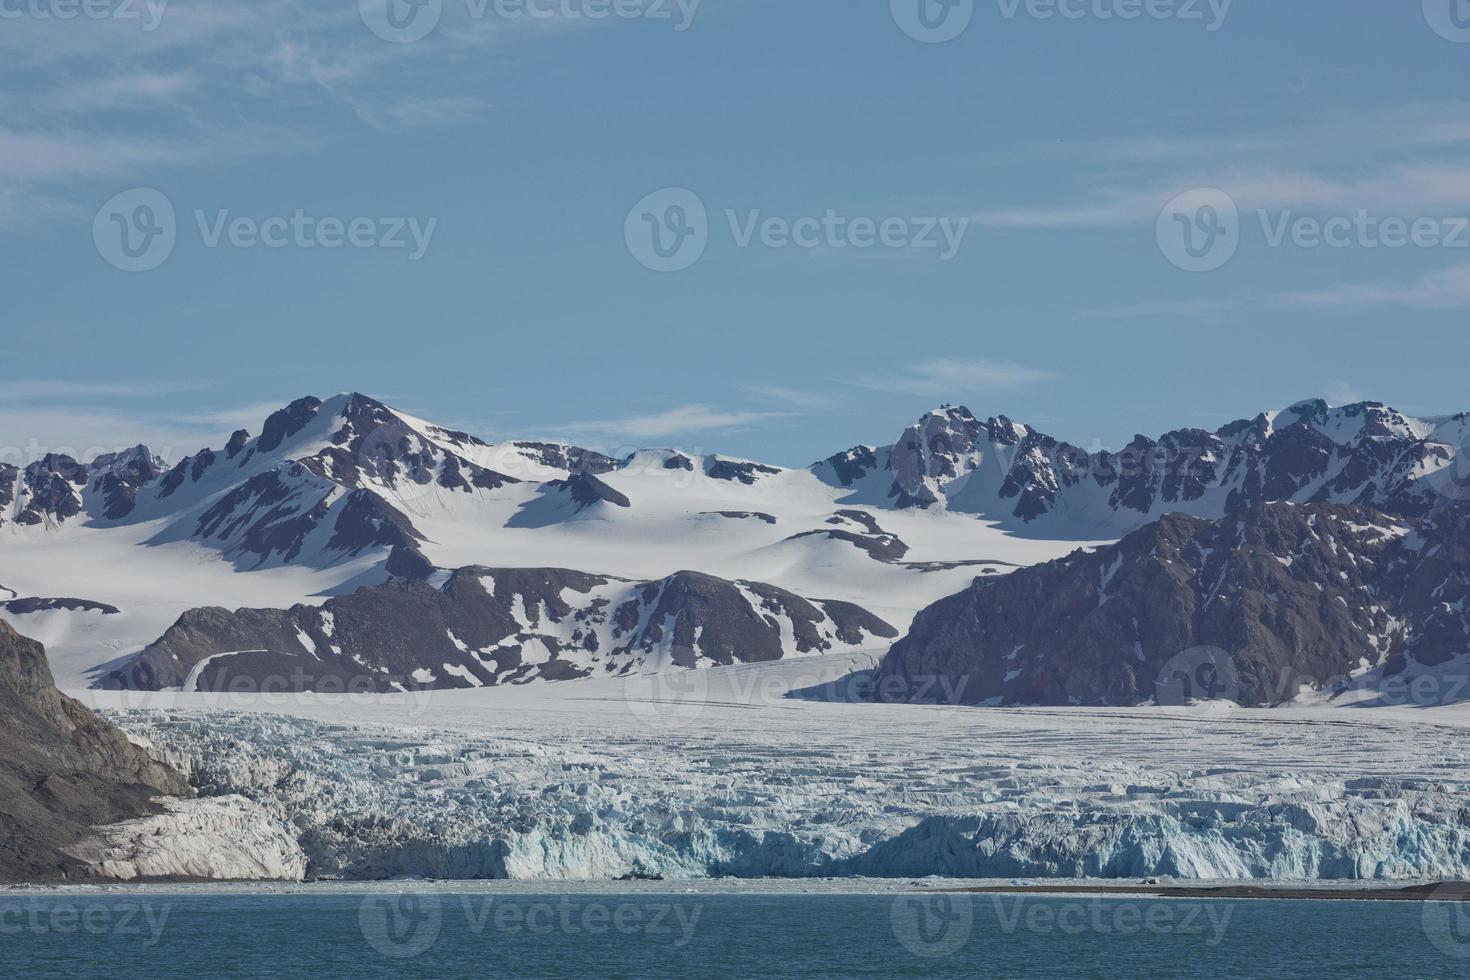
(1248, 608)
(63, 771)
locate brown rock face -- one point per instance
(62, 770)
(386, 635)
(1249, 608)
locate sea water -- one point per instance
(163, 936)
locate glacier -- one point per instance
(589, 782)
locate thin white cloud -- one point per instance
(1444, 289)
(84, 420)
(684, 420)
(240, 417)
(1339, 392)
(76, 391)
(810, 401)
(946, 378)
(27, 434)
(74, 95)
(1204, 309)
(1405, 159)
(1437, 291)
(1406, 190)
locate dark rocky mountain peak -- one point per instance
(1294, 595)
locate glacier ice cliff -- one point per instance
(226, 838)
(1111, 797)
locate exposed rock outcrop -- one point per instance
(63, 772)
(1251, 609)
(486, 627)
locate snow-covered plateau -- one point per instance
(724, 773)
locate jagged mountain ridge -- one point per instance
(345, 493)
(1367, 454)
(350, 463)
(486, 627)
(1252, 608)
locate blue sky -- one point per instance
(529, 151)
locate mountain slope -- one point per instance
(485, 627)
(333, 495)
(1252, 608)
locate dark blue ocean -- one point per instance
(452, 935)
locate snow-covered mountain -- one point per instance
(1367, 454)
(485, 627)
(100, 559)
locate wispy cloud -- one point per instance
(238, 417)
(684, 420)
(74, 95)
(1444, 289)
(1404, 159)
(1408, 189)
(79, 391)
(1204, 309)
(801, 398)
(1341, 393)
(28, 433)
(950, 378)
(1437, 291)
(85, 419)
